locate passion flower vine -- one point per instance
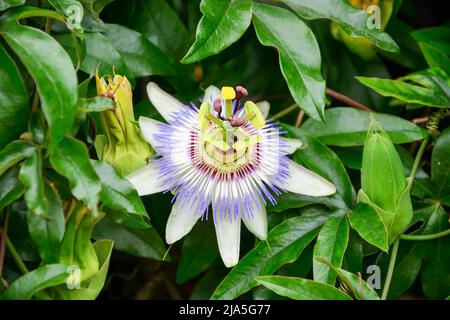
(222, 159)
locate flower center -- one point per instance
(229, 137)
(230, 149)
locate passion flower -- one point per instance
(225, 156)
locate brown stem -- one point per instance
(299, 119)
(420, 120)
(349, 101)
(4, 234)
(171, 289)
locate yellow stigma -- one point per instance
(228, 93)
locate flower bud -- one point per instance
(383, 182)
(121, 144)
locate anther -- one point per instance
(241, 92)
(217, 105)
(237, 122)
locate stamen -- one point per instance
(237, 122)
(241, 92)
(217, 105)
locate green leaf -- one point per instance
(10, 187)
(47, 230)
(301, 289)
(160, 24)
(118, 194)
(138, 242)
(15, 152)
(290, 200)
(206, 285)
(71, 160)
(100, 54)
(72, 10)
(300, 59)
(348, 127)
(353, 258)
(354, 21)
(98, 5)
(198, 252)
(96, 104)
(331, 245)
(322, 160)
(222, 24)
(369, 225)
(50, 67)
(436, 269)
(284, 244)
(90, 289)
(429, 87)
(37, 280)
(76, 247)
(440, 163)
(360, 289)
(142, 57)
(5, 4)
(435, 47)
(31, 176)
(14, 107)
(395, 221)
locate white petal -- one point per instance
(148, 128)
(163, 102)
(228, 233)
(306, 182)
(293, 145)
(181, 221)
(264, 106)
(211, 94)
(145, 180)
(258, 223)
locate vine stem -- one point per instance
(299, 119)
(16, 257)
(425, 236)
(3, 236)
(390, 272)
(417, 162)
(343, 98)
(286, 111)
